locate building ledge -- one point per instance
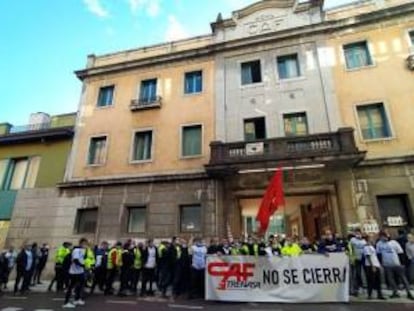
(387, 160)
(36, 135)
(131, 180)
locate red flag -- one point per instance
(272, 199)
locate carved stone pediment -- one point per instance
(266, 16)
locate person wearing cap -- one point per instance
(59, 277)
(113, 264)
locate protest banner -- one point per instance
(307, 278)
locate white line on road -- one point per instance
(11, 309)
(125, 302)
(186, 307)
(15, 297)
(58, 299)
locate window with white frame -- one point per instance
(97, 150)
(288, 66)
(357, 55)
(251, 72)
(142, 146)
(19, 173)
(105, 96)
(193, 82)
(148, 91)
(295, 124)
(373, 121)
(137, 219)
(191, 144)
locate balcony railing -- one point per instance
(341, 142)
(29, 127)
(145, 103)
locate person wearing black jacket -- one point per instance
(24, 266)
(126, 269)
(214, 248)
(149, 260)
(166, 263)
(43, 255)
(182, 277)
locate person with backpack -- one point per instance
(76, 275)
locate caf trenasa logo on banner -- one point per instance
(233, 275)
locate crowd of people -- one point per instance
(179, 265)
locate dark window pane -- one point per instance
(251, 72)
(190, 218)
(394, 209)
(86, 220)
(254, 129)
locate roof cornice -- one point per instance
(214, 48)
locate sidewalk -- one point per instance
(362, 298)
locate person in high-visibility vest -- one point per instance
(251, 248)
(235, 248)
(137, 267)
(59, 277)
(113, 264)
(89, 266)
(291, 248)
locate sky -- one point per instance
(42, 42)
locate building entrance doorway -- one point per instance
(303, 215)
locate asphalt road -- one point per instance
(50, 301)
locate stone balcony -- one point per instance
(328, 149)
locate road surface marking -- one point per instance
(43, 310)
(11, 309)
(15, 297)
(186, 307)
(125, 302)
(58, 299)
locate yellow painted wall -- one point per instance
(119, 122)
(388, 81)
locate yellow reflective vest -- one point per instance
(89, 259)
(114, 258)
(292, 250)
(137, 258)
(61, 253)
